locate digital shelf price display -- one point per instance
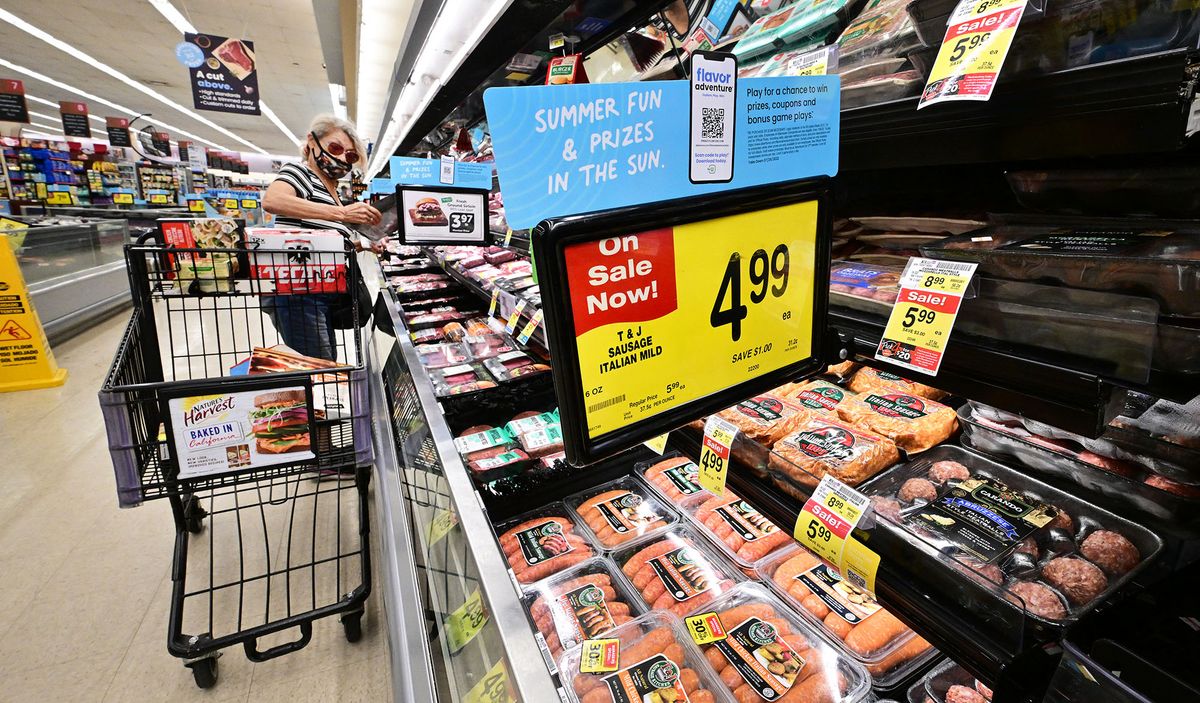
(668, 313)
(442, 216)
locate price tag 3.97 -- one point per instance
(714, 454)
(825, 526)
(918, 331)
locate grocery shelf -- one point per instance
(1131, 106)
(505, 301)
(1044, 387)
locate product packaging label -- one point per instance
(984, 517)
(529, 424)
(765, 662)
(684, 572)
(1088, 241)
(540, 439)
(581, 614)
(656, 678)
(542, 542)
(479, 441)
(685, 478)
(833, 444)
(824, 398)
(600, 656)
(896, 405)
(863, 276)
(498, 461)
(627, 512)
(746, 522)
(764, 410)
(851, 603)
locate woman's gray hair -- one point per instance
(325, 123)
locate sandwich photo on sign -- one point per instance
(280, 422)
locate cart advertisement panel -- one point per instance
(219, 432)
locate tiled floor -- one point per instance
(85, 587)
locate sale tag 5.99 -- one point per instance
(825, 525)
(977, 40)
(918, 330)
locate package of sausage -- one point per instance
(870, 380)
(648, 660)
(674, 477)
(676, 571)
(620, 511)
(820, 397)
(770, 654)
(765, 418)
(850, 616)
(823, 446)
(583, 602)
(913, 423)
(744, 535)
(1048, 555)
(543, 542)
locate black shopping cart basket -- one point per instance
(263, 449)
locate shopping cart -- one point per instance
(273, 465)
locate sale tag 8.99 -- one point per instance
(825, 525)
(977, 40)
(918, 330)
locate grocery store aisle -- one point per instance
(85, 587)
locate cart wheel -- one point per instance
(194, 515)
(352, 624)
(204, 671)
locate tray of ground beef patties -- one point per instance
(1041, 550)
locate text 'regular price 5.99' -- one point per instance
(766, 275)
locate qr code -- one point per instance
(712, 123)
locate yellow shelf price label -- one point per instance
(443, 521)
(495, 299)
(492, 688)
(828, 518)
(58, 197)
(158, 199)
(600, 656)
(122, 198)
(508, 237)
(705, 628)
(249, 204)
(530, 327)
(978, 36)
(918, 330)
(196, 205)
(714, 454)
(465, 622)
(658, 445)
(516, 315)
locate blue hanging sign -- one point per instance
(720, 14)
(409, 171)
(569, 149)
(381, 186)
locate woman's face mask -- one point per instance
(329, 164)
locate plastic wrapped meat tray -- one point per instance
(675, 478)
(790, 25)
(864, 287)
(880, 89)
(914, 424)
(883, 28)
(849, 616)
(457, 380)
(1154, 258)
(542, 542)
(583, 602)
(950, 683)
(822, 446)
(620, 511)
(1162, 429)
(1052, 556)
(743, 534)
(871, 380)
(676, 571)
(490, 452)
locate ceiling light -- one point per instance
(379, 44)
(51, 103)
(278, 123)
(46, 126)
(96, 98)
(88, 59)
(337, 95)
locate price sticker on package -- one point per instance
(532, 325)
(714, 454)
(465, 622)
(516, 315)
(600, 656)
(705, 628)
(918, 330)
(828, 518)
(977, 40)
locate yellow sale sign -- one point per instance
(672, 315)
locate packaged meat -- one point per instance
(1158, 258)
(584, 602)
(488, 345)
(820, 446)
(464, 378)
(820, 397)
(871, 380)
(880, 89)
(495, 467)
(850, 616)
(771, 654)
(499, 257)
(674, 477)
(549, 461)
(620, 511)
(483, 442)
(882, 28)
(454, 331)
(765, 418)
(426, 336)
(1104, 478)
(542, 442)
(542, 543)
(527, 422)
(1164, 429)
(950, 683)
(437, 356)
(842, 371)
(676, 571)
(790, 25)
(1031, 531)
(656, 662)
(914, 424)
(514, 364)
(743, 534)
(871, 288)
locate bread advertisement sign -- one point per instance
(222, 432)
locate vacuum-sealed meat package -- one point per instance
(765, 418)
(914, 424)
(821, 446)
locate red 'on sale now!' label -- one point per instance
(626, 279)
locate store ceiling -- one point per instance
(132, 37)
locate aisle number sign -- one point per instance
(825, 525)
(26, 361)
(978, 37)
(465, 622)
(931, 292)
(714, 454)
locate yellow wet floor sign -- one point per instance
(26, 361)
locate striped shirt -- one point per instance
(308, 185)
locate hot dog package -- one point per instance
(848, 615)
(770, 654)
(674, 477)
(620, 511)
(676, 571)
(583, 602)
(543, 542)
(652, 659)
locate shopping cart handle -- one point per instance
(146, 236)
(254, 655)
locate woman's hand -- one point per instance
(360, 214)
